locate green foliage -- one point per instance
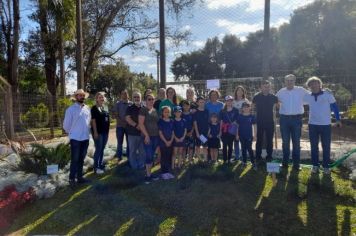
(62, 105)
(351, 113)
(41, 156)
(32, 79)
(36, 116)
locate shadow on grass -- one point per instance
(203, 200)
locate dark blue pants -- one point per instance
(246, 146)
(264, 130)
(324, 133)
(166, 158)
(150, 149)
(78, 151)
(100, 144)
(227, 140)
(120, 132)
(291, 128)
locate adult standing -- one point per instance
(161, 95)
(100, 124)
(213, 105)
(137, 155)
(170, 101)
(77, 125)
(264, 103)
(239, 99)
(321, 103)
(121, 132)
(291, 113)
(191, 98)
(148, 123)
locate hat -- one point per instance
(229, 97)
(177, 109)
(246, 104)
(80, 91)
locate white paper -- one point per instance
(203, 139)
(273, 167)
(52, 169)
(213, 84)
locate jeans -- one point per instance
(246, 146)
(166, 158)
(291, 128)
(100, 144)
(78, 150)
(264, 130)
(137, 152)
(324, 132)
(237, 149)
(227, 140)
(120, 132)
(150, 149)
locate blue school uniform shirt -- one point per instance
(229, 116)
(214, 129)
(202, 119)
(188, 121)
(179, 127)
(166, 127)
(245, 126)
(214, 107)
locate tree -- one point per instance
(10, 34)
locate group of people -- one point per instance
(174, 132)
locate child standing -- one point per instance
(189, 141)
(213, 137)
(165, 129)
(179, 135)
(228, 127)
(201, 128)
(247, 129)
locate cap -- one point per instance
(229, 97)
(177, 109)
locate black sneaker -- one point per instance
(83, 181)
(148, 180)
(154, 177)
(72, 183)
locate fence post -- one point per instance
(9, 119)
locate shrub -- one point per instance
(36, 116)
(351, 113)
(41, 156)
(62, 105)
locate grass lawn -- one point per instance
(203, 200)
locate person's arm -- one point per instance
(209, 136)
(95, 130)
(335, 109)
(195, 125)
(185, 133)
(254, 133)
(220, 128)
(67, 123)
(142, 127)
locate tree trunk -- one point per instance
(266, 41)
(79, 50)
(61, 62)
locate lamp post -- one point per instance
(79, 49)
(157, 55)
(162, 44)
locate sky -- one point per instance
(206, 20)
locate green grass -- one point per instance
(203, 200)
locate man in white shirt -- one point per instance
(291, 113)
(77, 126)
(321, 103)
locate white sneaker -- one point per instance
(164, 176)
(99, 171)
(170, 176)
(315, 170)
(327, 171)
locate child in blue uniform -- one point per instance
(201, 128)
(166, 134)
(246, 131)
(179, 135)
(213, 137)
(189, 138)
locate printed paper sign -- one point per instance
(213, 84)
(52, 169)
(203, 139)
(273, 167)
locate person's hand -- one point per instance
(237, 138)
(96, 135)
(338, 124)
(210, 136)
(198, 135)
(253, 138)
(147, 139)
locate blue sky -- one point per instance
(208, 19)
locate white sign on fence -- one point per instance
(273, 167)
(52, 169)
(203, 139)
(213, 84)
